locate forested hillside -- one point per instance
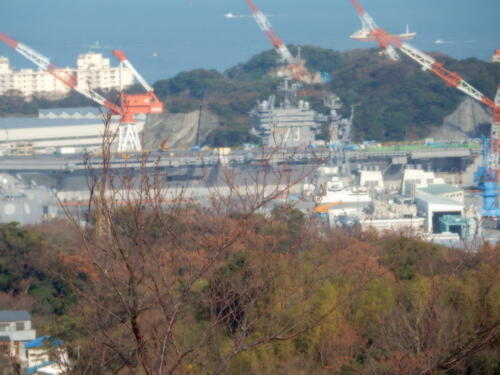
(393, 101)
(253, 295)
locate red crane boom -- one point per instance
(376, 33)
(488, 174)
(65, 76)
(389, 42)
(295, 65)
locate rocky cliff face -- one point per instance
(178, 130)
(464, 122)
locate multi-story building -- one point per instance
(93, 70)
(15, 331)
(29, 82)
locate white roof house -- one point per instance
(15, 331)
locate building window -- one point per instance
(19, 326)
(4, 327)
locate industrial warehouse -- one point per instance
(66, 130)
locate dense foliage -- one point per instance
(365, 304)
(28, 270)
(13, 103)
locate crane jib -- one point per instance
(130, 104)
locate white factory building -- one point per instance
(92, 70)
(371, 179)
(433, 207)
(415, 178)
(66, 130)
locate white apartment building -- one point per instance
(93, 70)
(28, 81)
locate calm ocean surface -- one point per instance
(164, 37)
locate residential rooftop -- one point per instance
(14, 315)
(41, 342)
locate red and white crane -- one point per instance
(488, 174)
(295, 65)
(371, 32)
(135, 104)
(130, 104)
(390, 42)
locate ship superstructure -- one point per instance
(293, 122)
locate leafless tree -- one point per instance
(167, 286)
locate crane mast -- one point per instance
(487, 175)
(376, 33)
(266, 27)
(130, 104)
(452, 79)
(496, 119)
(120, 55)
(136, 103)
(64, 76)
(295, 65)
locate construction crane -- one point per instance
(487, 175)
(130, 104)
(371, 32)
(295, 68)
(389, 43)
